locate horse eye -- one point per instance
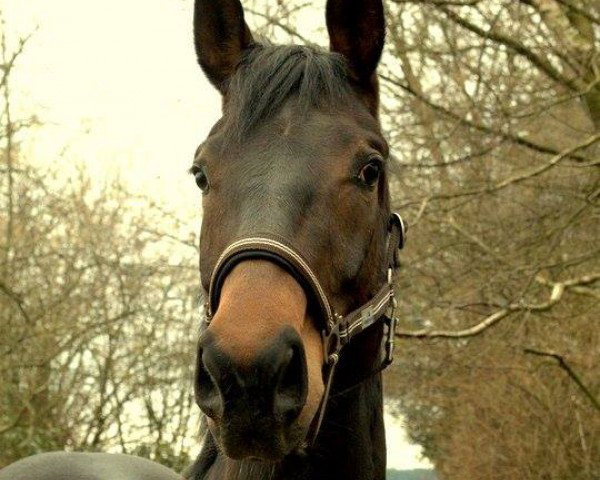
(201, 179)
(369, 174)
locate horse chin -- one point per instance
(261, 455)
(269, 447)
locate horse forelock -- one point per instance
(269, 75)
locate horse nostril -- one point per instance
(292, 385)
(208, 397)
(274, 385)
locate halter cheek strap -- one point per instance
(338, 330)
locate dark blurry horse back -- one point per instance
(86, 466)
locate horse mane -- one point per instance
(270, 74)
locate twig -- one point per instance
(467, 332)
(504, 134)
(277, 23)
(540, 62)
(562, 363)
(16, 300)
(14, 423)
(519, 177)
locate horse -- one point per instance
(298, 248)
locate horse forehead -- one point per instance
(285, 172)
(290, 146)
(277, 197)
(318, 129)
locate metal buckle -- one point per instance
(390, 340)
(332, 345)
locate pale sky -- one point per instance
(116, 83)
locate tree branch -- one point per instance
(542, 64)
(519, 140)
(6, 428)
(517, 178)
(453, 3)
(580, 11)
(277, 23)
(562, 363)
(16, 299)
(558, 290)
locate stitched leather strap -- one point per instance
(277, 252)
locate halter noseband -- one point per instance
(338, 330)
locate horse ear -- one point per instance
(357, 31)
(220, 37)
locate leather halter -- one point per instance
(338, 330)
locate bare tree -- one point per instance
(98, 310)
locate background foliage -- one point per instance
(97, 309)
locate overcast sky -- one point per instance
(116, 83)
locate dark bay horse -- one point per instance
(297, 250)
(296, 234)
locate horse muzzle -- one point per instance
(253, 407)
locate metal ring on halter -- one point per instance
(397, 219)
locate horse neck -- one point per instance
(350, 444)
